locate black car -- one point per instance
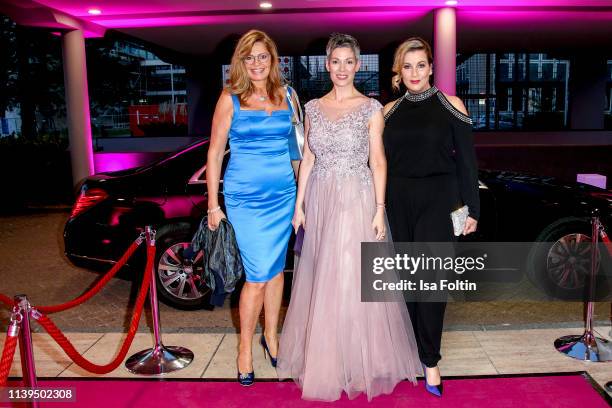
(170, 194)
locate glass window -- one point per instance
(153, 97)
(514, 91)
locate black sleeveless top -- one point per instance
(426, 136)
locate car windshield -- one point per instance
(197, 148)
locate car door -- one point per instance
(196, 185)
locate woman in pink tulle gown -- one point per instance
(331, 341)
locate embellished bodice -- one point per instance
(341, 145)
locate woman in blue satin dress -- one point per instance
(259, 185)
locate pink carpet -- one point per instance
(570, 391)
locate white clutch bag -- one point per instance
(459, 217)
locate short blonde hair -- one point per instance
(239, 81)
(339, 40)
(411, 44)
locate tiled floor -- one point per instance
(464, 353)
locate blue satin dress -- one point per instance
(259, 189)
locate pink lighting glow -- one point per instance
(596, 180)
(125, 14)
(105, 162)
(135, 8)
(308, 21)
(162, 21)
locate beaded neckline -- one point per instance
(420, 96)
(412, 98)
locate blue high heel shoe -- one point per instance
(432, 389)
(262, 340)
(246, 379)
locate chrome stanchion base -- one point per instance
(585, 347)
(159, 360)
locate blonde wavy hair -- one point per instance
(240, 83)
(411, 44)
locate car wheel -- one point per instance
(559, 262)
(178, 279)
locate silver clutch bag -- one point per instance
(459, 217)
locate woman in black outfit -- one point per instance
(431, 172)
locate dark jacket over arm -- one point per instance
(222, 262)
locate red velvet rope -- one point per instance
(81, 361)
(90, 293)
(9, 302)
(8, 352)
(97, 287)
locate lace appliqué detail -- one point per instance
(327, 170)
(341, 146)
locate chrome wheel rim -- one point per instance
(179, 277)
(569, 261)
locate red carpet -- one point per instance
(572, 390)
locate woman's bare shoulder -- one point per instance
(388, 106)
(456, 102)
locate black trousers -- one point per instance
(419, 210)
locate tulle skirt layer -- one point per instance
(331, 341)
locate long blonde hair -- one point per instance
(411, 44)
(239, 82)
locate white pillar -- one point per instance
(77, 105)
(445, 49)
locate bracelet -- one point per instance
(217, 208)
(380, 205)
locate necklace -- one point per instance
(261, 98)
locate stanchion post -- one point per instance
(160, 359)
(150, 234)
(588, 347)
(595, 224)
(26, 349)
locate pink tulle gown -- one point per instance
(331, 341)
